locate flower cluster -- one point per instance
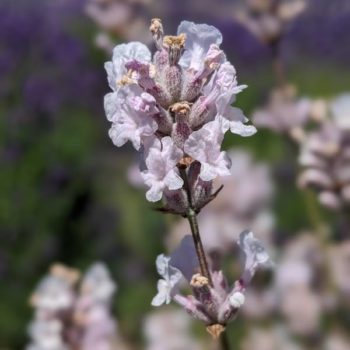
(175, 109)
(325, 156)
(67, 319)
(213, 301)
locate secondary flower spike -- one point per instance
(175, 108)
(216, 304)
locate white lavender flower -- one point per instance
(161, 171)
(175, 107)
(204, 146)
(122, 54)
(166, 285)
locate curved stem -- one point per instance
(203, 264)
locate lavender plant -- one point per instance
(324, 156)
(68, 318)
(175, 109)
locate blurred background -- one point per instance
(68, 195)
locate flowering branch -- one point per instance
(175, 108)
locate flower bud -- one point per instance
(237, 300)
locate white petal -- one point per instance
(255, 252)
(199, 37)
(233, 119)
(121, 133)
(122, 54)
(162, 263)
(173, 180)
(204, 146)
(165, 286)
(161, 297)
(208, 172)
(241, 129)
(161, 159)
(111, 105)
(111, 76)
(166, 270)
(154, 194)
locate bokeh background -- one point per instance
(68, 195)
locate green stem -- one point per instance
(192, 219)
(203, 264)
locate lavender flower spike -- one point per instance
(171, 277)
(122, 54)
(175, 107)
(199, 37)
